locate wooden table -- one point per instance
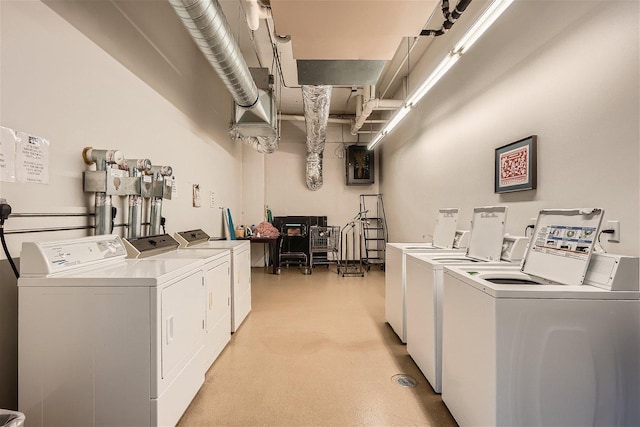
(274, 250)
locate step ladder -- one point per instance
(374, 230)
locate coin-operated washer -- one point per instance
(424, 300)
(395, 266)
(216, 267)
(104, 340)
(240, 281)
(538, 347)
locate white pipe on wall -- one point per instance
(367, 104)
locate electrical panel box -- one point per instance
(360, 165)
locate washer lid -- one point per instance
(561, 245)
(487, 231)
(445, 229)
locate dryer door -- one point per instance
(182, 322)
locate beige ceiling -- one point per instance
(349, 29)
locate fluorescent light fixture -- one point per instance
(487, 19)
(433, 78)
(375, 140)
(397, 117)
(489, 16)
(390, 125)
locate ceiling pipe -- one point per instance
(316, 101)
(295, 118)
(367, 103)
(255, 12)
(210, 30)
(450, 18)
(207, 25)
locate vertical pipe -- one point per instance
(160, 172)
(136, 168)
(156, 216)
(103, 213)
(103, 203)
(135, 216)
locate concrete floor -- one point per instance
(315, 351)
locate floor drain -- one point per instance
(404, 380)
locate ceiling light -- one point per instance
(490, 15)
(433, 78)
(390, 125)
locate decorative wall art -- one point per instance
(516, 166)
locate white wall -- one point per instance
(287, 192)
(566, 71)
(58, 84)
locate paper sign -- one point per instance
(8, 139)
(32, 159)
(174, 188)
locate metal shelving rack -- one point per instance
(374, 230)
(349, 238)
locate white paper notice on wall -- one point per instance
(32, 159)
(174, 188)
(8, 139)
(196, 195)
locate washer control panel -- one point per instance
(44, 258)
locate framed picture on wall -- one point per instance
(359, 163)
(516, 166)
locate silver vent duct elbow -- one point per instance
(316, 101)
(262, 144)
(209, 29)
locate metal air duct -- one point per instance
(254, 114)
(210, 30)
(316, 101)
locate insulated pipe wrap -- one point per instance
(316, 101)
(262, 144)
(209, 29)
(314, 171)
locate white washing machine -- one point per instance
(537, 347)
(216, 267)
(104, 340)
(240, 281)
(395, 270)
(424, 302)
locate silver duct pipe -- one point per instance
(209, 29)
(136, 168)
(316, 101)
(262, 144)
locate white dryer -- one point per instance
(216, 267)
(240, 281)
(424, 301)
(104, 340)
(538, 347)
(395, 267)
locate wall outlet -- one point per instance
(615, 226)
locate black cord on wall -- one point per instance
(5, 211)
